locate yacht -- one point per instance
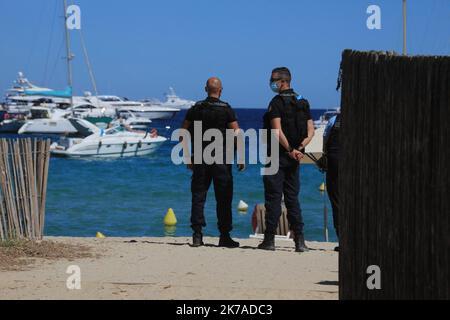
(24, 95)
(103, 108)
(101, 117)
(150, 112)
(54, 121)
(117, 142)
(123, 106)
(174, 101)
(133, 122)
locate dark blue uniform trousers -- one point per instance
(222, 177)
(333, 187)
(287, 182)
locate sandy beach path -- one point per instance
(168, 268)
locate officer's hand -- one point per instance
(296, 155)
(300, 156)
(241, 167)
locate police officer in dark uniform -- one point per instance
(332, 154)
(290, 115)
(212, 113)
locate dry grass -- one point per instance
(16, 255)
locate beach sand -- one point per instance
(168, 268)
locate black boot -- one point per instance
(268, 243)
(226, 241)
(300, 245)
(197, 240)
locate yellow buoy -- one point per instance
(323, 187)
(100, 235)
(170, 220)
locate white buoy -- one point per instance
(243, 207)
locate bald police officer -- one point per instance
(290, 115)
(212, 113)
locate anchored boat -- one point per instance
(117, 142)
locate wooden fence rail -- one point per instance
(24, 167)
(395, 175)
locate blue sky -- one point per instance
(138, 48)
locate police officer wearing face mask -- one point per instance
(212, 113)
(290, 115)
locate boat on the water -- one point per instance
(98, 109)
(174, 101)
(54, 121)
(133, 122)
(117, 142)
(101, 117)
(323, 121)
(150, 112)
(122, 106)
(11, 126)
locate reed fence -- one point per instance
(24, 165)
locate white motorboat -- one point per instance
(174, 101)
(133, 122)
(150, 112)
(101, 117)
(117, 142)
(53, 121)
(123, 106)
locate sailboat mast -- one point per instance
(404, 28)
(68, 52)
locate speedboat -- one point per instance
(133, 122)
(53, 121)
(46, 120)
(117, 142)
(174, 101)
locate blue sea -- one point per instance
(130, 197)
